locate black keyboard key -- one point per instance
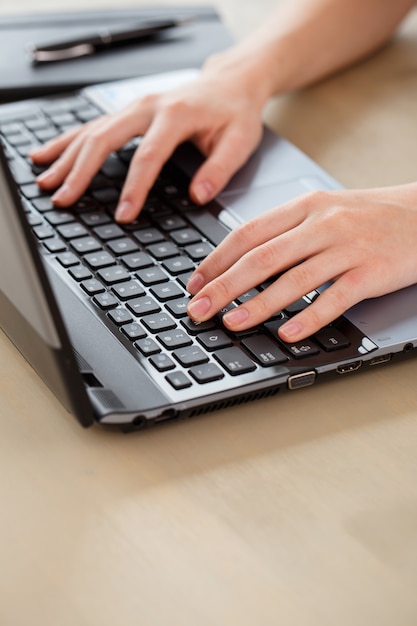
(105, 300)
(178, 380)
(166, 291)
(85, 245)
(195, 328)
(72, 231)
(206, 373)
(95, 218)
(97, 260)
(133, 331)
(162, 250)
(178, 308)
(302, 349)
(152, 276)
(92, 286)
(235, 361)
(122, 246)
(137, 260)
(44, 231)
(199, 251)
(22, 173)
(147, 346)
(120, 316)
(128, 290)
(175, 339)
(297, 306)
(190, 356)
(54, 245)
(108, 231)
(79, 273)
(208, 225)
(158, 322)
(162, 362)
(171, 222)
(185, 236)
(42, 204)
(331, 339)
(143, 306)
(148, 236)
(264, 350)
(31, 191)
(178, 265)
(248, 295)
(112, 275)
(67, 259)
(214, 340)
(55, 218)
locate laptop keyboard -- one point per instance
(135, 275)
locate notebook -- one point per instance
(99, 310)
(185, 46)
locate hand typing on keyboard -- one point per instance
(219, 113)
(365, 241)
(354, 238)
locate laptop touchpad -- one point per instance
(247, 203)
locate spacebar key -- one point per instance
(208, 225)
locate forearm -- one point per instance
(306, 40)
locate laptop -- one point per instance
(99, 309)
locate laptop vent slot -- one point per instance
(210, 408)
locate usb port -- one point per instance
(378, 360)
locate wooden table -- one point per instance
(299, 510)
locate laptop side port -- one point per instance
(301, 380)
(378, 360)
(167, 416)
(347, 368)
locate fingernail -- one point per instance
(45, 176)
(198, 308)
(290, 330)
(204, 191)
(61, 194)
(195, 283)
(236, 316)
(124, 212)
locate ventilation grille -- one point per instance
(226, 404)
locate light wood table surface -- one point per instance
(300, 510)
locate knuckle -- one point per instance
(263, 257)
(223, 289)
(148, 152)
(301, 277)
(337, 299)
(245, 234)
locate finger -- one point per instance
(163, 136)
(83, 158)
(287, 289)
(228, 155)
(247, 237)
(258, 265)
(51, 150)
(346, 291)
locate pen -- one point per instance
(94, 42)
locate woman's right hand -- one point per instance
(220, 112)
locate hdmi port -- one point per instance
(347, 368)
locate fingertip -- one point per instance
(291, 331)
(202, 191)
(63, 196)
(125, 212)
